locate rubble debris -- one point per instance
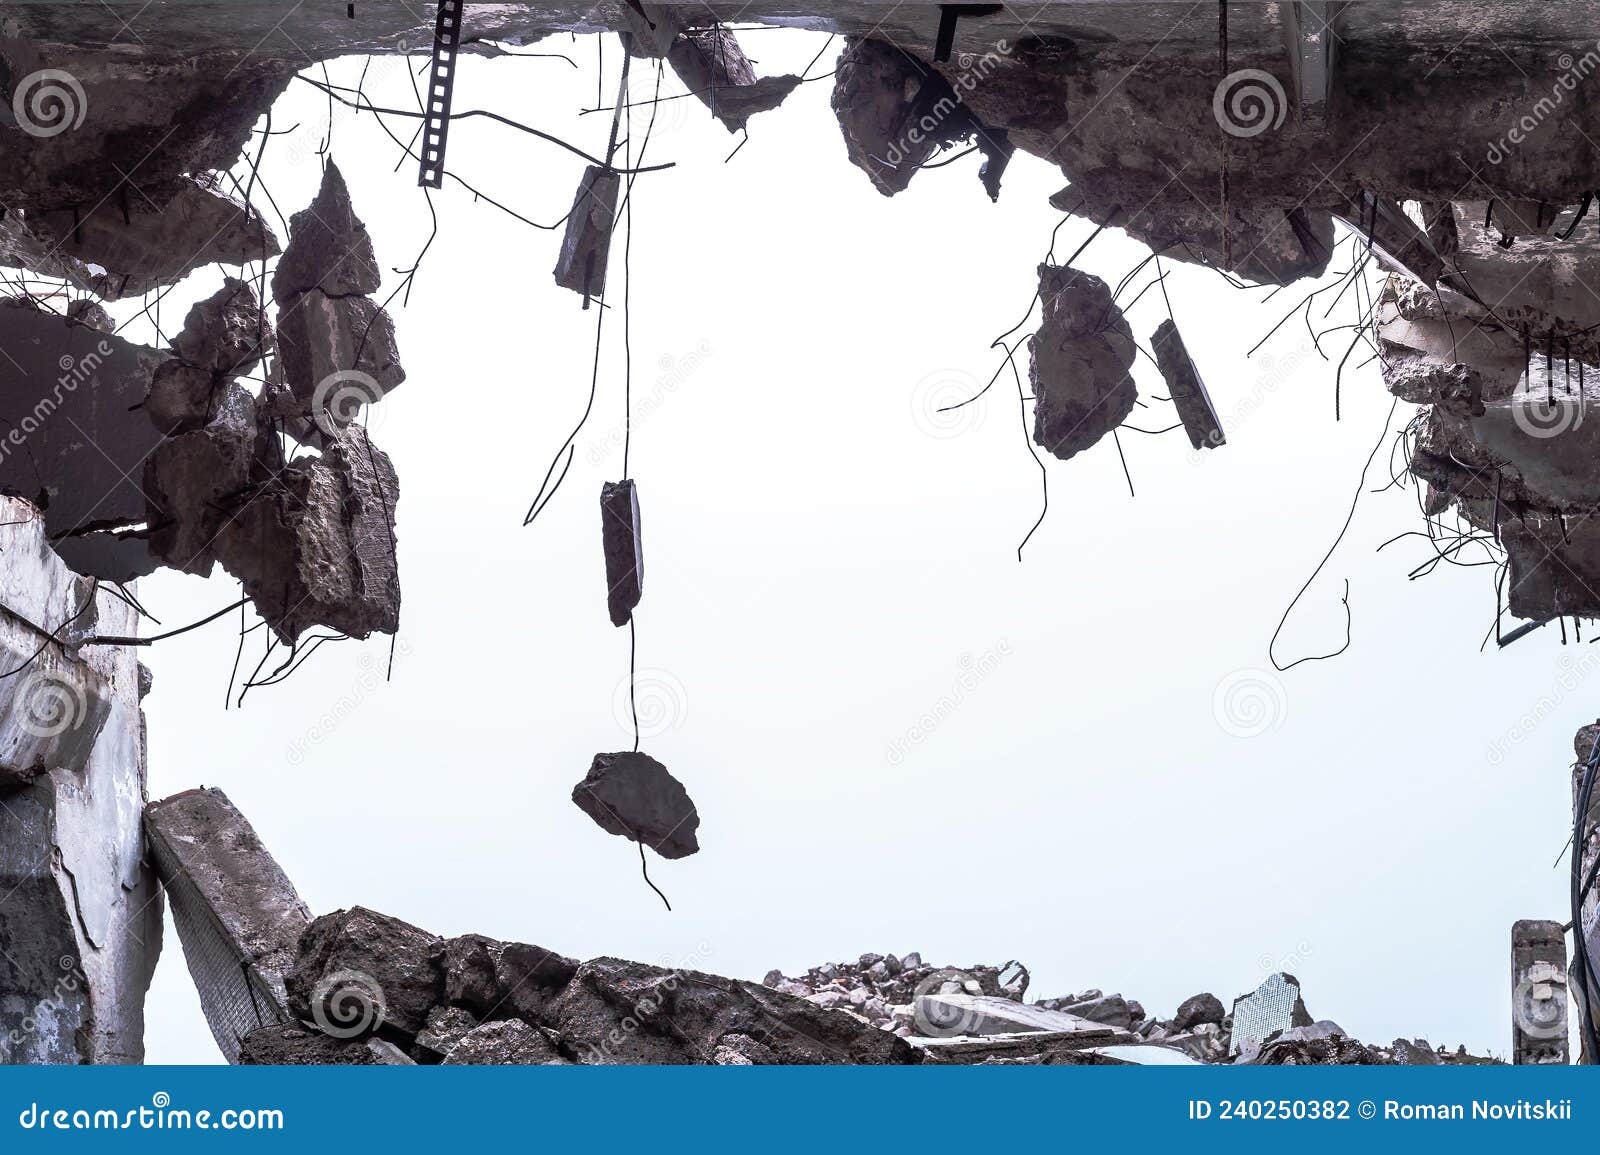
(1108, 1010)
(82, 922)
(1081, 357)
(1272, 1007)
(624, 549)
(314, 545)
(965, 1014)
(713, 66)
(1297, 1049)
(281, 1045)
(631, 794)
(528, 977)
(1399, 244)
(139, 248)
(446, 1027)
(586, 244)
(196, 479)
(509, 1041)
(1198, 1009)
(72, 440)
(336, 345)
(1184, 386)
(365, 973)
(1538, 993)
(238, 915)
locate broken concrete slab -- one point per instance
(1184, 386)
(1273, 1007)
(281, 1045)
(1034, 1048)
(80, 928)
(624, 549)
(314, 545)
(337, 354)
(1080, 362)
(713, 66)
(238, 915)
(945, 1015)
(509, 1041)
(528, 977)
(361, 972)
(197, 479)
(683, 1016)
(72, 439)
(633, 795)
(586, 244)
(227, 333)
(141, 248)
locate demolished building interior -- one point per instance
(240, 445)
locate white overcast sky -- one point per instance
(827, 561)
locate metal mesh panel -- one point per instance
(1257, 1016)
(234, 997)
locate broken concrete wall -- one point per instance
(80, 927)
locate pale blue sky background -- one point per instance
(826, 562)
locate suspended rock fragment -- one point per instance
(1187, 391)
(713, 66)
(1081, 356)
(619, 518)
(586, 244)
(633, 795)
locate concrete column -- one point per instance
(80, 913)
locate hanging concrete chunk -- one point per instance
(223, 337)
(650, 28)
(1538, 993)
(713, 66)
(619, 521)
(329, 248)
(196, 481)
(238, 914)
(586, 244)
(72, 438)
(314, 544)
(1188, 392)
(632, 794)
(1272, 1008)
(1081, 357)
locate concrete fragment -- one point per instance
(227, 333)
(238, 915)
(314, 545)
(1399, 244)
(685, 1016)
(365, 972)
(1032, 1048)
(527, 977)
(329, 248)
(141, 248)
(1184, 386)
(337, 354)
(1081, 357)
(510, 1041)
(713, 66)
(468, 965)
(1273, 1007)
(1538, 993)
(945, 1015)
(1110, 1010)
(196, 480)
(586, 244)
(651, 29)
(633, 795)
(81, 920)
(624, 549)
(72, 439)
(292, 1046)
(1197, 1009)
(446, 1026)
(874, 97)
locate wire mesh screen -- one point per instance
(1258, 1016)
(234, 998)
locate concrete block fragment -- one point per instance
(527, 977)
(446, 1027)
(1080, 362)
(293, 1046)
(197, 479)
(586, 244)
(329, 248)
(509, 1041)
(633, 795)
(946, 1015)
(364, 972)
(337, 354)
(1184, 386)
(713, 66)
(624, 549)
